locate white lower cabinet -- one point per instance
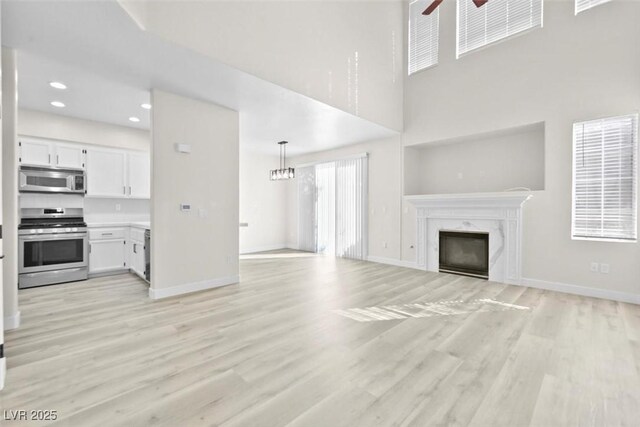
(106, 255)
(117, 249)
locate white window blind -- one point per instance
(496, 20)
(423, 36)
(582, 5)
(605, 161)
(351, 208)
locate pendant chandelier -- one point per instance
(434, 5)
(283, 172)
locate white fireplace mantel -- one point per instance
(499, 214)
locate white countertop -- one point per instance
(102, 224)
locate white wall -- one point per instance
(10, 188)
(575, 68)
(199, 249)
(55, 126)
(347, 54)
(262, 203)
(384, 194)
(478, 164)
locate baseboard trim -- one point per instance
(263, 248)
(392, 261)
(192, 287)
(12, 322)
(3, 371)
(582, 290)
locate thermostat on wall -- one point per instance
(185, 207)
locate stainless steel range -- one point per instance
(53, 246)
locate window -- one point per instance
(423, 36)
(605, 161)
(582, 5)
(496, 20)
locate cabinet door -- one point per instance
(69, 156)
(137, 258)
(106, 255)
(139, 172)
(35, 152)
(106, 172)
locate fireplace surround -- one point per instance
(499, 215)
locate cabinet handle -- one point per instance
(107, 234)
(124, 190)
(135, 248)
(49, 158)
(129, 190)
(57, 159)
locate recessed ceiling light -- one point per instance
(57, 104)
(58, 85)
(134, 119)
(146, 106)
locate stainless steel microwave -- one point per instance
(51, 180)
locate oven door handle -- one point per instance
(61, 236)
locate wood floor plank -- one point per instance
(272, 350)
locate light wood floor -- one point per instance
(270, 352)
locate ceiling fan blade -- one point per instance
(433, 6)
(479, 3)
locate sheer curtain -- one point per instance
(306, 178)
(332, 207)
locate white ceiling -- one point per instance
(110, 65)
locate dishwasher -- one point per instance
(147, 255)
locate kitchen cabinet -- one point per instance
(42, 152)
(69, 156)
(106, 172)
(106, 255)
(136, 255)
(139, 175)
(35, 152)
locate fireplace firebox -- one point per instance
(465, 253)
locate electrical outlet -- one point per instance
(604, 268)
(118, 207)
(594, 267)
(384, 245)
(460, 175)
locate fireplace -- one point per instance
(465, 253)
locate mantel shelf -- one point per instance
(471, 200)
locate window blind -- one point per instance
(423, 36)
(351, 208)
(496, 20)
(605, 161)
(582, 5)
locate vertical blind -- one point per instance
(496, 20)
(351, 208)
(332, 208)
(423, 36)
(582, 5)
(605, 178)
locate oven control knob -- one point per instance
(74, 229)
(40, 230)
(33, 231)
(67, 230)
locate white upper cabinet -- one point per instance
(106, 172)
(69, 156)
(35, 152)
(139, 175)
(111, 172)
(42, 152)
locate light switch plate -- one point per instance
(185, 207)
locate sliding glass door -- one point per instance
(332, 208)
